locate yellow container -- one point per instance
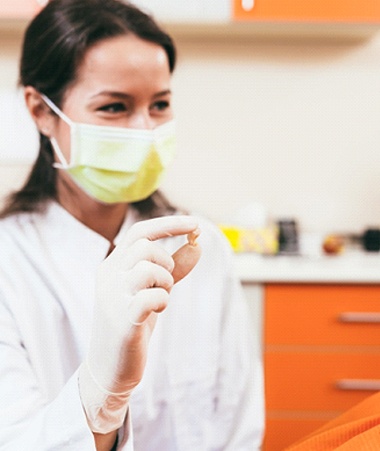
(262, 241)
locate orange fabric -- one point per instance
(357, 429)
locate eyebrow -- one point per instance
(122, 95)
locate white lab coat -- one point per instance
(202, 389)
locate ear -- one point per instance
(41, 114)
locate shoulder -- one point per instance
(14, 225)
(17, 244)
(20, 224)
(23, 233)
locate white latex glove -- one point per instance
(133, 285)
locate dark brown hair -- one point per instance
(54, 45)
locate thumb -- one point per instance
(157, 228)
(186, 257)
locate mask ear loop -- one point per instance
(63, 163)
(56, 110)
(53, 141)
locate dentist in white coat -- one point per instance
(102, 347)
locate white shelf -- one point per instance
(248, 31)
(355, 267)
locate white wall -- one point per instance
(294, 125)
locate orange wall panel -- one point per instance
(310, 10)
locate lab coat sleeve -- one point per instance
(238, 424)
(28, 421)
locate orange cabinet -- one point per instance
(321, 355)
(20, 9)
(355, 11)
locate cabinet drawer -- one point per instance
(307, 381)
(281, 432)
(322, 314)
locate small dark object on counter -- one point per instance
(371, 240)
(288, 237)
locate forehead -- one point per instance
(123, 61)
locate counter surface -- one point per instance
(353, 267)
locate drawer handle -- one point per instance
(359, 317)
(358, 384)
(248, 5)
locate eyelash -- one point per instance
(114, 108)
(162, 105)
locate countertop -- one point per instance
(350, 267)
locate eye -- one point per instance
(161, 105)
(116, 107)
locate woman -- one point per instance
(86, 272)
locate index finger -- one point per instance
(157, 228)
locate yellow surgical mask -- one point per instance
(116, 164)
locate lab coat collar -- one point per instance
(59, 220)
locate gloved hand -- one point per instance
(133, 285)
